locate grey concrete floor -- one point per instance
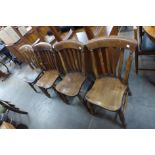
(54, 113)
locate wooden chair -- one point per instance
(45, 55)
(110, 89)
(72, 57)
(32, 72)
(145, 47)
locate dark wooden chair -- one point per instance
(110, 89)
(71, 54)
(46, 59)
(32, 72)
(146, 47)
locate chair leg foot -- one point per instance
(80, 98)
(122, 118)
(90, 107)
(85, 105)
(32, 86)
(63, 97)
(129, 92)
(45, 92)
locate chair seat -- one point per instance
(147, 44)
(107, 93)
(71, 84)
(48, 79)
(30, 75)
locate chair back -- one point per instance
(45, 56)
(103, 60)
(71, 54)
(28, 54)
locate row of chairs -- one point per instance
(63, 68)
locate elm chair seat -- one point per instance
(107, 93)
(147, 44)
(48, 79)
(71, 84)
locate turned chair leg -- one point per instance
(45, 92)
(122, 118)
(32, 86)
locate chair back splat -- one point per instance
(103, 62)
(45, 56)
(71, 54)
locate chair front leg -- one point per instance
(32, 86)
(45, 92)
(122, 118)
(64, 98)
